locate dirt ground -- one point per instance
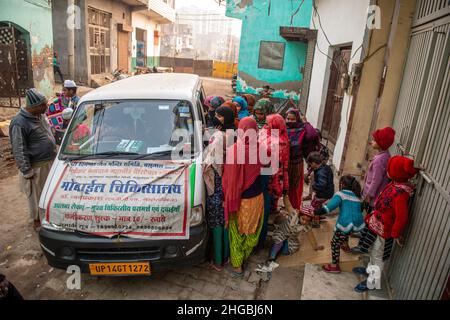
(22, 260)
(7, 164)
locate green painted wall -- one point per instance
(35, 17)
(259, 23)
(151, 61)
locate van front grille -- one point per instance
(118, 254)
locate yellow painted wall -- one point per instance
(397, 59)
(222, 69)
(359, 132)
(366, 118)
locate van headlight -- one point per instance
(196, 215)
(51, 226)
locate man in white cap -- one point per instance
(67, 99)
(70, 93)
(33, 148)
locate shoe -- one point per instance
(356, 250)
(362, 287)
(267, 267)
(346, 248)
(360, 270)
(235, 274)
(330, 269)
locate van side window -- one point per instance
(200, 108)
(201, 112)
(202, 95)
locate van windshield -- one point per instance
(130, 127)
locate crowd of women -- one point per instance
(242, 195)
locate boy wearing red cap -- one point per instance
(389, 216)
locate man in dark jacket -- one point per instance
(323, 185)
(33, 148)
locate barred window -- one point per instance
(271, 55)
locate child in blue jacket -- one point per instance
(350, 219)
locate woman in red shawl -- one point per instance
(243, 194)
(234, 106)
(279, 182)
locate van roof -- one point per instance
(171, 86)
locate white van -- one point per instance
(116, 201)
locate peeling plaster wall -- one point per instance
(344, 22)
(60, 44)
(141, 21)
(36, 18)
(120, 13)
(258, 24)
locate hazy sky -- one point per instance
(206, 4)
(210, 5)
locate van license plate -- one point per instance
(120, 268)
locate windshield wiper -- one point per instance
(150, 155)
(106, 153)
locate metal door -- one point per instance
(335, 94)
(420, 269)
(99, 41)
(15, 73)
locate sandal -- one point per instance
(346, 248)
(330, 269)
(215, 267)
(235, 274)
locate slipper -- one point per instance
(267, 267)
(360, 271)
(37, 227)
(361, 287)
(346, 248)
(330, 269)
(215, 267)
(235, 274)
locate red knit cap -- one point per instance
(401, 169)
(384, 137)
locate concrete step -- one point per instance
(319, 285)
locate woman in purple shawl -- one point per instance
(303, 139)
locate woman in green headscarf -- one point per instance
(261, 110)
